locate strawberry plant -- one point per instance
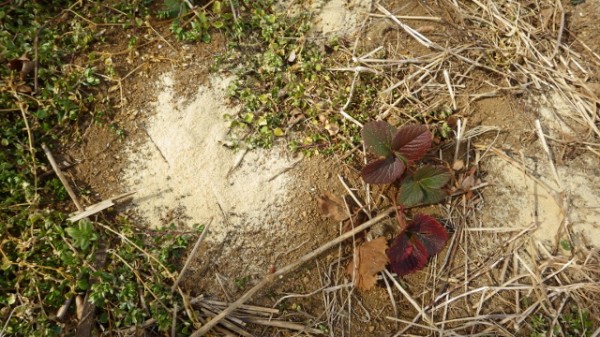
(399, 152)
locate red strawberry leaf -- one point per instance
(412, 142)
(383, 171)
(378, 137)
(430, 232)
(410, 251)
(406, 255)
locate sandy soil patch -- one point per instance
(526, 196)
(184, 174)
(340, 17)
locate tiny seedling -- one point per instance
(399, 152)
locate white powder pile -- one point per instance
(182, 167)
(340, 17)
(518, 200)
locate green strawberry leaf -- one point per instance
(432, 176)
(424, 187)
(410, 193)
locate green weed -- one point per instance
(44, 259)
(574, 322)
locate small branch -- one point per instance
(460, 131)
(415, 34)
(238, 161)
(287, 168)
(342, 110)
(23, 108)
(450, 89)
(8, 319)
(540, 132)
(191, 255)
(293, 266)
(406, 17)
(357, 69)
(250, 309)
(561, 29)
(174, 322)
(62, 178)
(98, 207)
(229, 324)
(61, 313)
(409, 298)
(283, 325)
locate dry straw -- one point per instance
(490, 280)
(495, 279)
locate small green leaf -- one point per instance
(262, 121)
(424, 187)
(278, 132)
(6, 263)
(410, 193)
(218, 24)
(216, 7)
(432, 177)
(83, 284)
(83, 234)
(565, 244)
(11, 299)
(248, 118)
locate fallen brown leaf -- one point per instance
(331, 208)
(369, 259)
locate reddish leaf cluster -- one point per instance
(422, 238)
(397, 149)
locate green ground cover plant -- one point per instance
(46, 261)
(285, 86)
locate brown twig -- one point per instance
(62, 178)
(283, 325)
(191, 255)
(36, 61)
